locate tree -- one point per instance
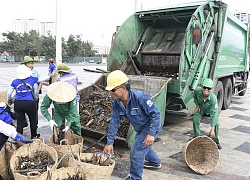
(74, 45)
(33, 44)
(48, 46)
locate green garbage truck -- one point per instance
(186, 43)
(173, 49)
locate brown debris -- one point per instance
(39, 162)
(95, 113)
(58, 134)
(73, 177)
(99, 160)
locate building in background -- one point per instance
(101, 50)
(243, 16)
(26, 25)
(47, 27)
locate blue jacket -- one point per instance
(140, 110)
(4, 116)
(22, 92)
(52, 67)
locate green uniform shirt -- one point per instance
(61, 110)
(209, 106)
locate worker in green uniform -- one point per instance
(206, 103)
(63, 97)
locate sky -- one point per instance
(94, 20)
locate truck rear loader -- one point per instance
(174, 49)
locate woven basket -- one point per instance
(201, 154)
(93, 172)
(3, 166)
(10, 148)
(29, 150)
(61, 173)
(70, 147)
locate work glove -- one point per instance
(12, 113)
(10, 101)
(65, 129)
(21, 138)
(52, 123)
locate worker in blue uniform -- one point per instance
(24, 100)
(6, 129)
(144, 116)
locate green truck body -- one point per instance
(162, 42)
(182, 45)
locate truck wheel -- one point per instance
(242, 86)
(228, 92)
(219, 94)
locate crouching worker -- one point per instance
(63, 96)
(206, 103)
(6, 129)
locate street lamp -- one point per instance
(58, 33)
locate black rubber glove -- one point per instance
(10, 102)
(11, 112)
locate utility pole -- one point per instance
(58, 33)
(84, 55)
(102, 47)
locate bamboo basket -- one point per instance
(201, 154)
(3, 166)
(92, 172)
(69, 147)
(61, 173)
(29, 150)
(10, 148)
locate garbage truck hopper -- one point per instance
(96, 105)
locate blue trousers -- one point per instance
(138, 154)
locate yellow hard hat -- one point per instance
(116, 78)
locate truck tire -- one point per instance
(242, 86)
(218, 91)
(228, 93)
